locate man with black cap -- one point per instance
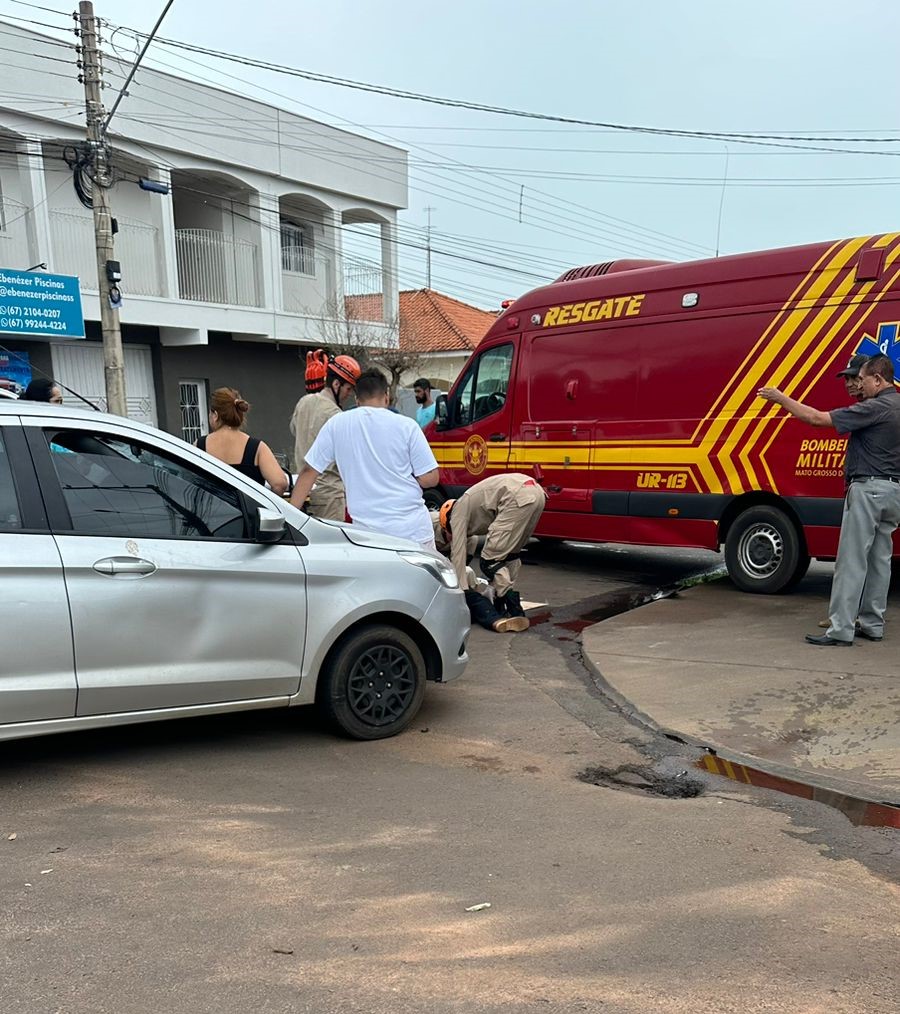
(862, 571)
(851, 382)
(851, 376)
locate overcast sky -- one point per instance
(529, 199)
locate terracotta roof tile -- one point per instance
(429, 320)
(433, 322)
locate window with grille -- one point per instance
(194, 414)
(297, 248)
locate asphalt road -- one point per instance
(255, 863)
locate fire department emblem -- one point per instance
(475, 454)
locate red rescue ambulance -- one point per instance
(629, 390)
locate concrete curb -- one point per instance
(857, 803)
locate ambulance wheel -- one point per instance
(434, 499)
(373, 684)
(764, 552)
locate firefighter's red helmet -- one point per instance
(316, 370)
(347, 368)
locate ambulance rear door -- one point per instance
(577, 419)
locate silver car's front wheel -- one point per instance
(373, 684)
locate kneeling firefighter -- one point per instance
(506, 509)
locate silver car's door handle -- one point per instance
(124, 566)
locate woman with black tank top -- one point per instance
(251, 457)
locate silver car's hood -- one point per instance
(375, 540)
(356, 534)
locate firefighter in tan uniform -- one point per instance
(506, 509)
(329, 384)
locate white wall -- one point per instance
(168, 123)
(180, 116)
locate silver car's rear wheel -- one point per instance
(373, 685)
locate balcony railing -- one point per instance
(298, 260)
(361, 276)
(136, 246)
(214, 268)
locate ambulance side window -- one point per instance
(461, 410)
(483, 388)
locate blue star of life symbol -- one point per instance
(886, 342)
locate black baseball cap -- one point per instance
(855, 364)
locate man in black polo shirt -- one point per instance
(862, 572)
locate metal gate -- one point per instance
(80, 367)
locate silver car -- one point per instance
(141, 578)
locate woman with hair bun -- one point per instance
(227, 442)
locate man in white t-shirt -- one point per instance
(384, 460)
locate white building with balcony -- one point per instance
(229, 277)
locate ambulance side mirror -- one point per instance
(441, 413)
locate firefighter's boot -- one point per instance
(510, 606)
(482, 612)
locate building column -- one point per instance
(34, 193)
(334, 260)
(390, 283)
(167, 249)
(268, 212)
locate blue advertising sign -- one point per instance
(15, 371)
(37, 305)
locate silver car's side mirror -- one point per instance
(270, 526)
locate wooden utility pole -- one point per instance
(113, 356)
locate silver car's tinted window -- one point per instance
(10, 517)
(123, 488)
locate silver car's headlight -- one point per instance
(437, 566)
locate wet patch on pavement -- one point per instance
(643, 780)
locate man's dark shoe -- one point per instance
(513, 603)
(867, 636)
(827, 642)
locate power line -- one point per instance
(44, 73)
(33, 208)
(44, 56)
(632, 227)
(547, 223)
(505, 269)
(47, 157)
(14, 21)
(742, 137)
(228, 204)
(137, 63)
(38, 7)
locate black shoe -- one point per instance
(827, 642)
(865, 635)
(513, 602)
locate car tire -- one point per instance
(765, 552)
(373, 684)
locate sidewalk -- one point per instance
(731, 671)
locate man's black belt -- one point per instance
(887, 478)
